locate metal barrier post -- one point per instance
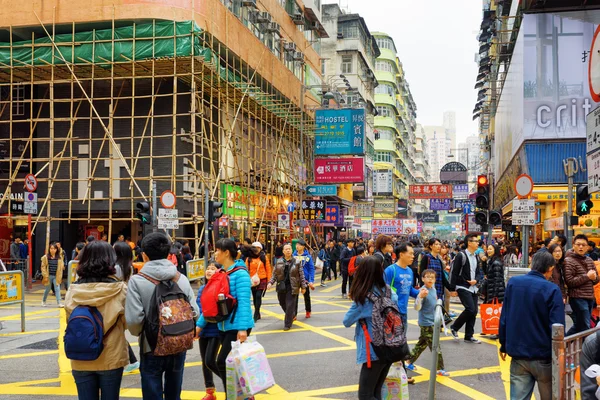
(558, 361)
(435, 347)
(12, 291)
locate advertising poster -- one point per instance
(340, 132)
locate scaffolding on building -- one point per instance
(163, 101)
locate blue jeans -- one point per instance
(154, 368)
(404, 319)
(525, 373)
(581, 315)
(52, 282)
(91, 385)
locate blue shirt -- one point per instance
(400, 280)
(308, 265)
(427, 311)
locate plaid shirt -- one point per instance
(435, 264)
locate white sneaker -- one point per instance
(61, 305)
(132, 367)
(43, 304)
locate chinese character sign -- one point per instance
(430, 191)
(332, 214)
(340, 132)
(460, 191)
(439, 204)
(409, 226)
(11, 287)
(340, 170)
(314, 209)
(387, 226)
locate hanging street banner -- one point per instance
(439, 204)
(340, 132)
(434, 191)
(460, 191)
(332, 214)
(428, 217)
(322, 190)
(386, 227)
(340, 170)
(453, 172)
(314, 209)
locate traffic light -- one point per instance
(584, 202)
(213, 211)
(481, 218)
(483, 192)
(143, 212)
(495, 218)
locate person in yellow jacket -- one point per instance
(98, 287)
(260, 271)
(53, 266)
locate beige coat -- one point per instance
(59, 271)
(109, 299)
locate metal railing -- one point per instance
(435, 347)
(565, 361)
(13, 264)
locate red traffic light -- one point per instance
(482, 180)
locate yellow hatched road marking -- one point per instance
(452, 384)
(16, 317)
(331, 289)
(23, 355)
(27, 333)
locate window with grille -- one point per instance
(347, 64)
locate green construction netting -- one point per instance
(153, 40)
(156, 40)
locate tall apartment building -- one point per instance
(439, 147)
(112, 103)
(347, 65)
(469, 153)
(450, 126)
(395, 123)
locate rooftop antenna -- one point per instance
(344, 6)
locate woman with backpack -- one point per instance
(259, 268)
(52, 272)
(238, 325)
(288, 277)
(124, 270)
(97, 290)
(368, 282)
(383, 249)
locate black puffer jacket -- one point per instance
(495, 281)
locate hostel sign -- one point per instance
(340, 132)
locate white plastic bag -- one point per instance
(252, 367)
(255, 280)
(395, 386)
(234, 390)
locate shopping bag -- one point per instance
(234, 390)
(252, 367)
(395, 386)
(490, 317)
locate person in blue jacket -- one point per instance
(240, 288)
(369, 279)
(209, 341)
(532, 304)
(303, 256)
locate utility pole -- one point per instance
(571, 168)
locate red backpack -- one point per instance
(352, 266)
(213, 309)
(173, 258)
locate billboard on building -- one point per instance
(546, 94)
(340, 170)
(383, 183)
(340, 132)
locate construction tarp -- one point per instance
(154, 40)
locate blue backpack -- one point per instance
(84, 335)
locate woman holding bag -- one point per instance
(368, 279)
(259, 268)
(289, 278)
(495, 275)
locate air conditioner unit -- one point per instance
(298, 19)
(264, 17)
(298, 56)
(273, 27)
(249, 3)
(340, 35)
(289, 46)
(253, 16)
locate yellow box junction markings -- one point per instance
(67, 385)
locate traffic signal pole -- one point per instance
(491, 207)
(206, 223)
(570, 170)
(154, 207)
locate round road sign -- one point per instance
(594, 67)
(523, 186)
(31, 183)
(168, 199)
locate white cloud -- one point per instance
(436, 43)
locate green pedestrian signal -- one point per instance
(583, 201)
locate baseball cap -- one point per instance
(257, 244)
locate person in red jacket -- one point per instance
(580, 277)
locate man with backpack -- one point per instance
(158, 298)
(345, 258)
(418, 249)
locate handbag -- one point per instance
(490, 317)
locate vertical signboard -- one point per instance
(340, 132)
